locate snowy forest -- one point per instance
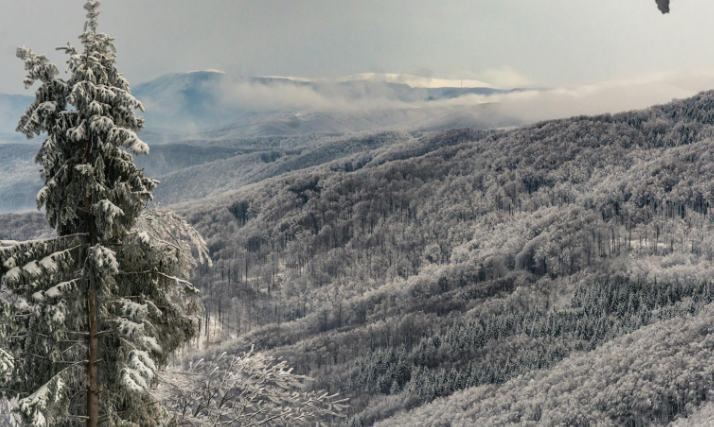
(395, 272)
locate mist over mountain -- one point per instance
(212, 104)
(262, 117)
(184, 103)
(232, 117)
(204, 100)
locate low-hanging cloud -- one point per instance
(276, 97)
(607, 97)
(504, 77)
(525, 105)
(389, 105)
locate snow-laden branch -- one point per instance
(55, 291)
(248, 390)
(7, 362)
(46, 267)
(36, 409)
(162, 226)
(7, 244)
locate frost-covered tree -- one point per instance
(89, 317)
(249, 390)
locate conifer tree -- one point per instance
(89, 317)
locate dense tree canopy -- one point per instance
(466, 258)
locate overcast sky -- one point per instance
(516, 42)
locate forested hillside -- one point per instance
(221, 167)
(194, 165)
(364, 214)
(556, 273)
(483, 259)
(24, 226)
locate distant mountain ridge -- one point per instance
(200, 101)
(223, 114)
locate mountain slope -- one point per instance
(557, 273)
(469, 258)
(624, 382)
(208, 116)
(243, 167)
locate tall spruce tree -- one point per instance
(89, 317)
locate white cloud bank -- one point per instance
(529, 105)
(233, 100)
(606, 97)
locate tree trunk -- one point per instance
(92, 370)
(93, 337)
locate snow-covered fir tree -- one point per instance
(89, 317)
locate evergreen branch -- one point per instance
(147, 272)
(12, 243)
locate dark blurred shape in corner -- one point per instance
(663, 5)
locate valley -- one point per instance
(402, 268)
(356, 214)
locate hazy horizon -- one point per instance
(556, 43)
